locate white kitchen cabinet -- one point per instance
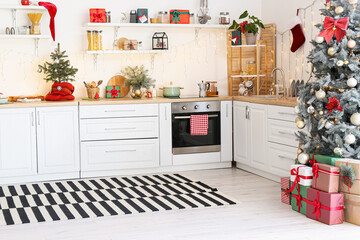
(17, 142)
(165, 135)
(257, 118)
(226, 131)
(58, 140)
(241, 132)
(280, 158)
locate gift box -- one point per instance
(236, 38)
(179, 16)
(349, 175)
(130, 45)
(142, 15)
(325, 207)
(315, 158)
(299, 198)
(97, 15)
(326, 177)
(352, 208)
(301, 174)
(285, 193)
(113, 91)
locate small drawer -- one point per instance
(280, 158)
(118, 111)
(119, 155)
(119, 128)
(282, 132)
(281, 113)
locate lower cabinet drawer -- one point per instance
(118, 128)
(118, 155)
(281, 113)
(119, 111)
(281, 158)
(282, 132)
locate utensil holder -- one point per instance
(92, 92)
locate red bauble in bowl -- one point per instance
(25, 2)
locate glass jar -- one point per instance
(95, 38)
(90, 40)
(192, 18)
(251, 68)
(224, 18)
(100, 41)
(163, 17)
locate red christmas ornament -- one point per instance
(97, 96)
(337, 27)
(334, 104)
(327, 1)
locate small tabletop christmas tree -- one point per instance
(60, 72)
(330, 106)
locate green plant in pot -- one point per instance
(249, 27)
(137, 78)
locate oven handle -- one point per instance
(188, 117)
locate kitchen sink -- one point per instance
(265, 96)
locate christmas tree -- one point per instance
(329, 108)
(60, 70)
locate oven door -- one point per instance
(184, 143)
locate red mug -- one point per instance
(25, 2)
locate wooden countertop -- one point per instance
(285, 102)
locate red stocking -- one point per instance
(298, 34)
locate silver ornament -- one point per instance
(300, 123)
(339, 10)
(350, 139)
(355, 119)
(340, 63)
(311, 110)
(352, 82)
(319, 39)
(351, 44)
(321, 94)
(297, 110)
(303, 158)
(338, 151)
(39, 70)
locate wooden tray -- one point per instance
(119, 80)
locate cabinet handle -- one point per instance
(188, 117)
(115, 151)
(285, 113)
(32, 119)
(38, 118)
(112, 129)
(283, 157)
(227, 110)
(285, 133)
(247, 112)
(108, 111)
(166, 118)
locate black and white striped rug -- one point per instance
(86, 198)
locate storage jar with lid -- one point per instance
(163, 17)
(251, 68)
(224, 18)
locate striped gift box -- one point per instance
(285, 186)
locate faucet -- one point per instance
(277, 86)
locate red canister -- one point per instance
(25, 2)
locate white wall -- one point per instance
(281, 12)
(187, 63)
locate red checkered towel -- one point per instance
(199, 124)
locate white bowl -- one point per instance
(3, 100)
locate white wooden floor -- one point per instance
(260, 215)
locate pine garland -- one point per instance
(348, 174)
(60, 70)
(137, 77)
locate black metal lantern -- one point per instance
(160, 41)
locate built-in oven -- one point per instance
(182, 140)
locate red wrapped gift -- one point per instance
(97, 15)
(325, 207)
(326, 177)
(285, 193)
(179, 16)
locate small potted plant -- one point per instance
(60, 72)
(249, 27)
(137, 78)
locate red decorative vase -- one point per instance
(25, 2)
(61, 92)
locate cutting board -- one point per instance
(119, 80)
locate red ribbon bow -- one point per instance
(114, 92)
(337, 27)
(298, 198)
(334, 104)
(317, 206)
